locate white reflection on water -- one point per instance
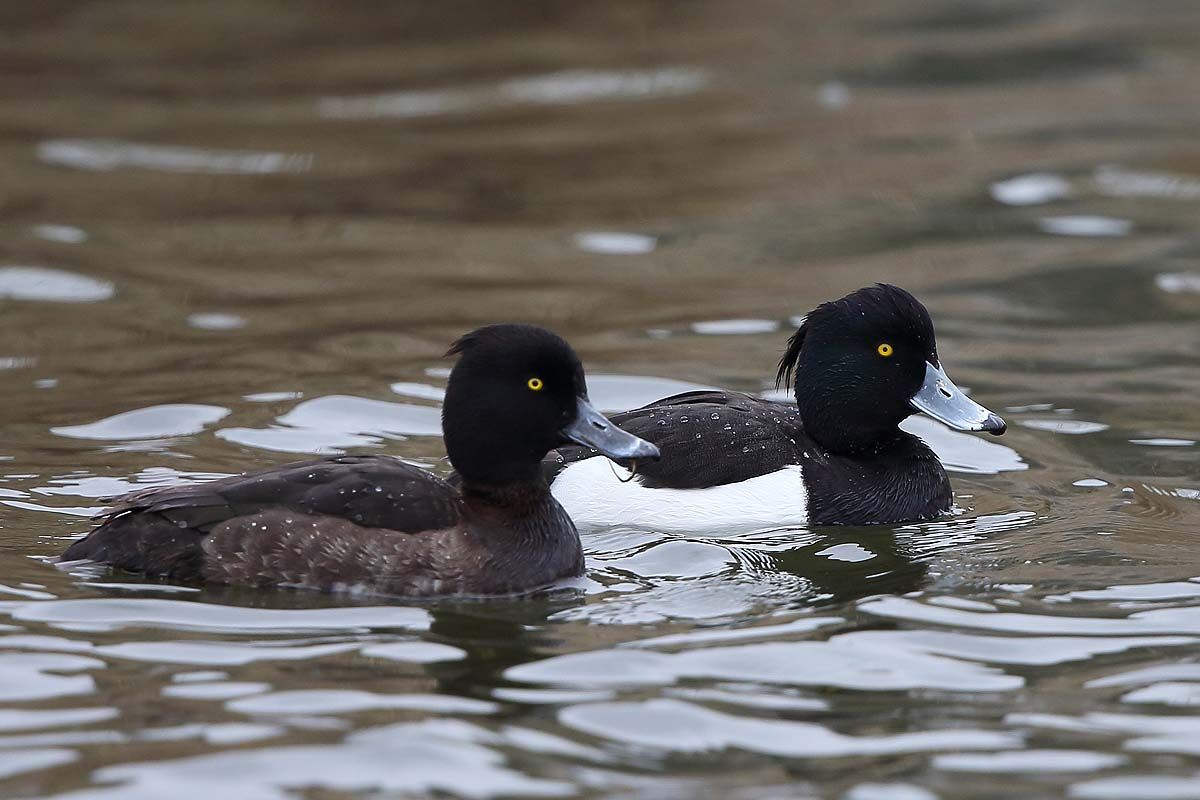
(1168, 693)
(1153, 621)
(31, 676)
(416, 652)
(115, 586)
(435, 756)
(104, 155)
(1031, 761)
(346, 701)
(679, 727)
(706, 637)
(615, 243)
(851, 661)
(24, 719)
(1170, 590)
(1025, 651)
(219, 654)
(1178, 282)
(888, 791)
(52, 285)
(735, 327)
(833, 95)
(74, 511)
(220, 690)
(347, 413)
(97, 486)
(725, 597)
(929, 537)
(1153, 734)
(1085, 225)
(1032, 189)
(623, 392)
(862, 660)
(14, 762)
(675, 558)
(422, 391)
(556, 88)
(750, 696)
(1141, 787)
(114, 614)
(32, 594)
(63, 234)
(848, 552)
(1164, 672)
(582, 86)
(216, 321)
(1117, 181)
(329, 424)
(1070, 427)
(1089, 483)
(153, 422)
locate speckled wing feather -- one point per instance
(158, 531)
(283, 548)
(707, 438)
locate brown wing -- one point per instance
(159, 531)
(283, 548)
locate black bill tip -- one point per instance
(994, 425)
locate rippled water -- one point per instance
(233, 234)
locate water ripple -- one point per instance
(113, 614)
(153, 422)
(105, 155)
(408, 758)
(52, 285)
(556, 88)
(678, 727)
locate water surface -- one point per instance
(234, 235)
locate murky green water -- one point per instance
(234, 233)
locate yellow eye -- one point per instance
(535, 384)
(885, 350)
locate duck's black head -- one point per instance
(517, 392)
(864, 363)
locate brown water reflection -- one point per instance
(295, 206)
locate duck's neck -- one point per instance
(527, 536)
(847, 423)
(843, 440)
(902, 483)
(525, 528)
(513, 501)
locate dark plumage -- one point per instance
(379, 524)
(851, 393)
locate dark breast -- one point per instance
(905, 483)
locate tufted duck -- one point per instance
(374, 523)
(733, 462)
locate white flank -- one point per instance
(593, 494)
